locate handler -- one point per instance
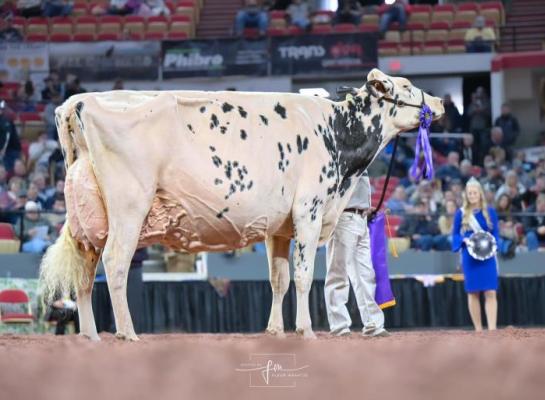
(349, 262)
(475, 232)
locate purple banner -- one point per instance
(379, 252)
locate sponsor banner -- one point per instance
(20, 60)
(534, 154)
(214, 58)
(107, 60)
(323, 53)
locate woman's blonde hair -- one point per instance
(466, 207)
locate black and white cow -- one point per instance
(214, 171)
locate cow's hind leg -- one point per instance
(84, 293)
(127, 206)
(307, 233)
(278, 249)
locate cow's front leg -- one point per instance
(278, 250)
(307, 233)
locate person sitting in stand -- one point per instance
(479, 38)
(7, 32)
(395, 13)
(349, 12)
(252, 15)
(422, 229)
(299, 13)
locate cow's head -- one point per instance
(399, 102)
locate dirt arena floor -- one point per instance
(507, 364)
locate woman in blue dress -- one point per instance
(479, 276)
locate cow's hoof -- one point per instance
(129, 338)
(276, 332)
(92, 337)
(305, 333)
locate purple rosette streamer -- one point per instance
(423, 141)
(379, 250)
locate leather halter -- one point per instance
(399, 103)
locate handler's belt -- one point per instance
(362, 212)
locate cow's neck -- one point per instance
(358, 126)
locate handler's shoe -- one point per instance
(343, 333)
(379, 333)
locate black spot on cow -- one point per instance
(243, 134)
(214, 122)
(289, 147)
(202, 109)
(223, 129)
(217, 161)
(190, 128)
(79, 107)
(222, 212)
(242, 112)
(226, 107)
(218, 181)
(280, 110)
(264, 119)
(321, 178)
(250, 184)
(212, 148)
(302, 144)
(235, 164)
(228, 170)
(282, 190)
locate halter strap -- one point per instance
(399, 103)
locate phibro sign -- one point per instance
(323, 53)
(214, 58)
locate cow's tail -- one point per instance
(65, 265)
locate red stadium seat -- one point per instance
(277, 32)
(295, 30)
(368, 28)
(345, 28)
(177, 36)
(83, 37)
(6, 231)
(16, 296)
(322, 29)
(60, 37)
(154, 36)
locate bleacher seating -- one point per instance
(83, 26)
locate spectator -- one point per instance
(423, 231)
(33, 194)
(29, 8)
(452, 114)
(451, 170)
(509, 125)
(57, 8)
(52, 85)
(398, 202)
(49, 116)
(3, 178)
(479, 38)
(349, 12)
(73, 87)
(478, 114)
(535, 236)
(7, 32)
(57, 218)
(466, 170)
(446, 220)
(119, 7)
(19, 170)
(10, 146)
(493, 179)
(251, 16)
(40, 150)
(25, 98)
(512, 187)
(531, 195)
(58, 192)
(497, 141)
(395, 13)
(39, 179)
(153, 8)
(299, 12)
(37, 230)
(467, 151)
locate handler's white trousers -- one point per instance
(349, 262)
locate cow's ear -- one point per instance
(378, 88)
